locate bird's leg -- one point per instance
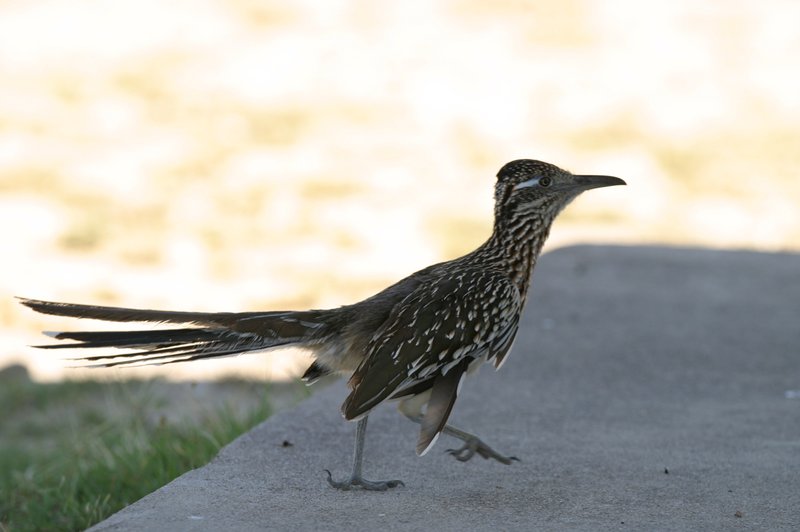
(356, 480)
(472, 445)
(412, 409)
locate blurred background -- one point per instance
(243, 154)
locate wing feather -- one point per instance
(464, 316)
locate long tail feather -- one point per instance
(221, 334)
(171, 355)
(130, 314)
(130, 338)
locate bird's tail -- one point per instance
(214, 334)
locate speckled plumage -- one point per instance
(413, 341)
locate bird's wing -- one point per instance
(451, 319)
(443, 396)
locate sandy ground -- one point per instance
(242, 155)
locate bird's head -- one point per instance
(528, 185)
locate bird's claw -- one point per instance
(359, 482)
(475, 445)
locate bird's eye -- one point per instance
(545, 182)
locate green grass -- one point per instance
(75, 452)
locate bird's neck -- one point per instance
(515, 244)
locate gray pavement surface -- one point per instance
(649, 389)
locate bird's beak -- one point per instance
(585, 182)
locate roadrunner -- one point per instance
(413, 342)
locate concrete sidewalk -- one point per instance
(649, 389)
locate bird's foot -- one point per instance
(359, 482)
(475, 445)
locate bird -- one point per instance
(413, 342)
